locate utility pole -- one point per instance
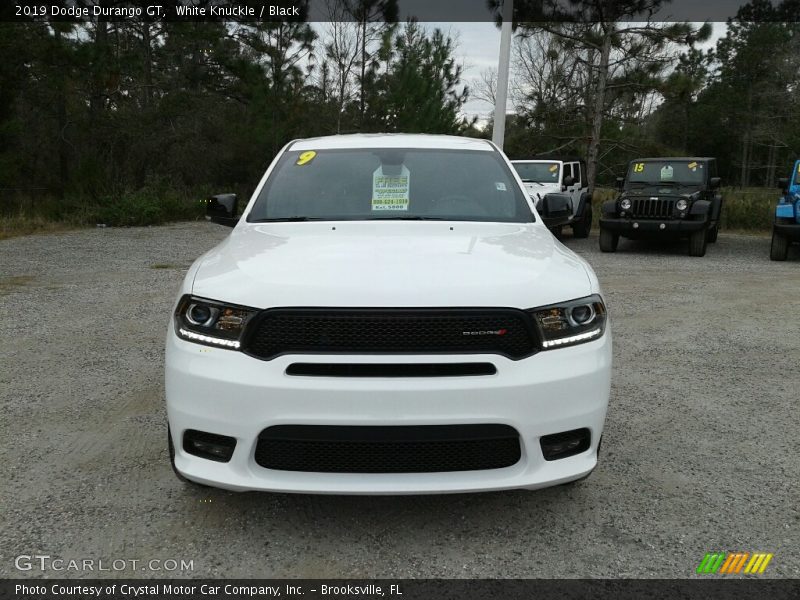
(501, 95)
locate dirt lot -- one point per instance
(700, 453)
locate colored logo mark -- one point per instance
(734, 563)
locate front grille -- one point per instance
(504, 331)
(387, 449)
(653, 208)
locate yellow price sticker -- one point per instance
(638, 167)
(305, 158)
(798, 167)
(553, 168)
(692, 165)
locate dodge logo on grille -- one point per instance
(487, 332)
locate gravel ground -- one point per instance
(700, 453)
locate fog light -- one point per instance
(636, 226)
(662, 226)
(208, 445)
(566, 443)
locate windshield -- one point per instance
(542, 172)
(690, 172)
(391, 183)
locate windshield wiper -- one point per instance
(286, 219)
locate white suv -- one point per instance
(389, 315)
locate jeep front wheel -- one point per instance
(608, 241)
(697, 243)
(711, 237)
(582, 228)
(779, 249)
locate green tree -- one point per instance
(421, 90)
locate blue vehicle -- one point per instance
(787, 216)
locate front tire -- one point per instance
(608, 241)
(582, 228)
(779, 249)
(712, 234)
(697, 243)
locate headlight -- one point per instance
(570, 323)
(681, 204)
(625, 204)
(211, 323)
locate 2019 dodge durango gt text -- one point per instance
(389, 315)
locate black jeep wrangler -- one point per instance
(665, 197)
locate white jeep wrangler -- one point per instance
(564, 177)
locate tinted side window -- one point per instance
(577, 174)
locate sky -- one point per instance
(479, 47)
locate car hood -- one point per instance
(537, 190)
(648, 191)
(391, 264)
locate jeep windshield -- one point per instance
(543, 172)
(391, 184)
(667, 172)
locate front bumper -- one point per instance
(632, 227)
(229, 393)
(789, 230)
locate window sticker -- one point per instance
(638, 167)
(553, 168)
(500, 186)
(305, 158)
(390, 192)
(666, 173)
(692, 165)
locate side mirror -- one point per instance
(221, 209)
(556, 205)
(714, 183)
(620, 183)
(783, 184)
(568, 181)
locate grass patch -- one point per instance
(10, 284)
(22, 224)
(154, 204)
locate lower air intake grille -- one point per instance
(504, 331)
(390, 449)
(390, 369)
